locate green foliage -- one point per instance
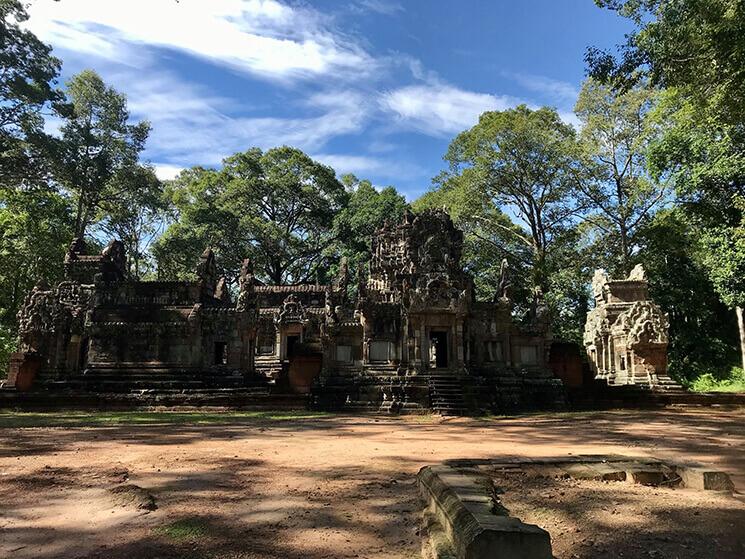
(703, 333)
(695, 45)
(136, 216)
(527, 161)
(724, 257)
(35, 229)
(276, 207)
(711, 382)
(366, 210)
(619, 193)
(27, 74)
(7, 346)
(99, 149)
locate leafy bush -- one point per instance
(7, 346)
(711, 382)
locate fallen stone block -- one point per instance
(476, 525)
(704, 479)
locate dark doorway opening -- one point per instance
(438, 343)
(292, 342)
(221, 353)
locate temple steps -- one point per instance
(446, 393)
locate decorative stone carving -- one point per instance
(292, 311)
(207, 273)
(626, 335)
(222, 291)
(502, 294)
(246, 288)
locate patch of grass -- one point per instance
(184, 529)
(708, 382)
(105, 418)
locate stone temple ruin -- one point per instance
(413, 334)
(626, 334)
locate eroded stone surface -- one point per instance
(463, 506)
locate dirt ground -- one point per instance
(611, 519)
(317, 487)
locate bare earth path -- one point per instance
(318, 487)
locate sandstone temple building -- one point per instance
(404, 332)
(626, 333)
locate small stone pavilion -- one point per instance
(626, 334)
(409, 334)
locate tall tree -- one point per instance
(724, 256)
(276, 206)
(703, 331)
(98, 146)
(490, 236)
(527, 161)
(621, 196)
(366, 210)
(695, 45)
(696, 50)
(27, 74)
(136, 216)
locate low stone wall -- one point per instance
(473, 522)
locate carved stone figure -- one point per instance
(503, 286)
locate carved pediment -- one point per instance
(292, 310)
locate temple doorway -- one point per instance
(438, 349)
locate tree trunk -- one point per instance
(741, 328)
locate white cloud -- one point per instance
(196, 127)
(261, 37)
(439, 109)
(166, 171)
(364, 165)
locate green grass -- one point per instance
(708, 382)
(185, 529)
(106, 418)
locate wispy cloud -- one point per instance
(561, 93)
(384, 7)
(440, 109)
(362, 165)
(263, 37)
(197, 127)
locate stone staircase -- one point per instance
(155, 379)
(446, 393)
(270, 367)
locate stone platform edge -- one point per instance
(475, 525)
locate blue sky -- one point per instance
(373, 87)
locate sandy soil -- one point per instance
(313, 488)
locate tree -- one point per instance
(34, 233)
(27, 74)
(528, 161)
(621, 196)
(276, 207)
(696, 50)
(724, 256)
(694, 45)
(98, 147)
(703, 333)
(366, 210)
(489, 236)
(136, 217)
